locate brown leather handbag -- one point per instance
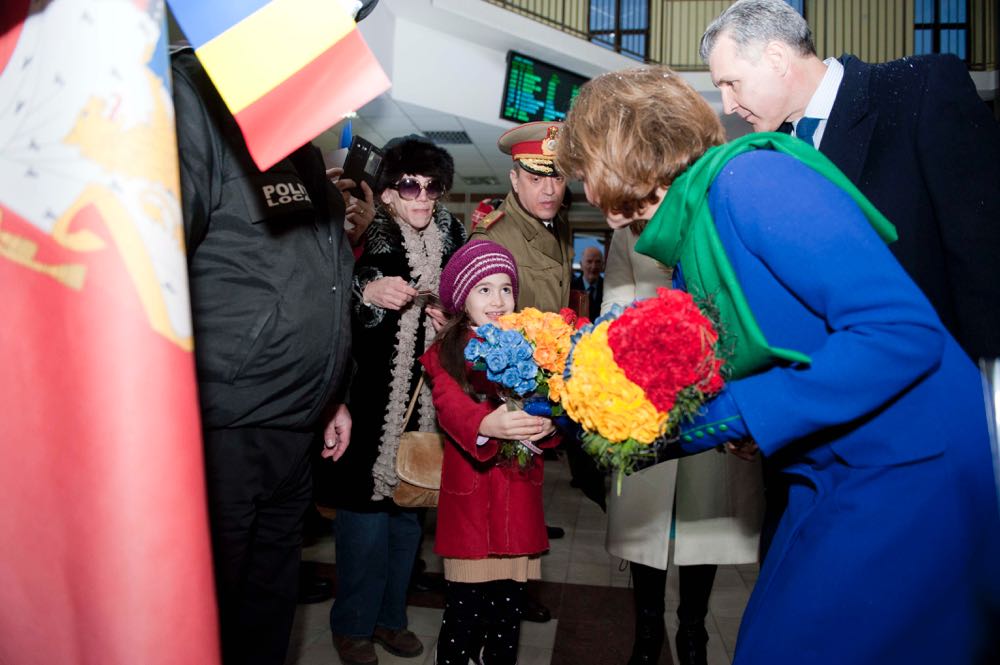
(418, 464)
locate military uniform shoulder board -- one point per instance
(492, 218)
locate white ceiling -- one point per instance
(446, 60)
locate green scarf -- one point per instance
(683, 231)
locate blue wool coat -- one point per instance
(887, 550)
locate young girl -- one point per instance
(490, 528)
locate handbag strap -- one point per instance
(413, 400)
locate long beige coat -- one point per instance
(544, 260)
(719, 498)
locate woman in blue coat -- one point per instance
(886, 537)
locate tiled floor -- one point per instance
(586, 589)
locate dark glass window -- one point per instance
(796, 4)
(941, 26)
(621, 25)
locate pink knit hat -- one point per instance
(473, 262)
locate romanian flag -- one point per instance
(104, 541)
(287, 69)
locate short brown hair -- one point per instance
(633, 131)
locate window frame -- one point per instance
(936, 27)
(618, 32)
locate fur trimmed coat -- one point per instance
(348, 483)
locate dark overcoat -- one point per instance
(917, 140)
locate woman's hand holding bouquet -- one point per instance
(637, 374)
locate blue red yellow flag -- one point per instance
(287, 69)
(106, 555)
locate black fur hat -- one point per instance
(415, 155)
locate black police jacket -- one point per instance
(269, 267)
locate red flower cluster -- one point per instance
(664, 345)
(570, 317)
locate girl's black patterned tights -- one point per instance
(480, 619)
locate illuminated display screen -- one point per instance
(536, 90)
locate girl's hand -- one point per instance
(389, 292)
(549, 430)
(514, 425)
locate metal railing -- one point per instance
(984, 30)
(566, 15)
(873, 30)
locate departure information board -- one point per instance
(536, 90)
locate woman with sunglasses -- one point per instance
(394, 321)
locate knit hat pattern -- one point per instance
(473, 262)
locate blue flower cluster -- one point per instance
(506, 356)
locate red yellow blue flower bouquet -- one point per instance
(525, 353)
(634, 374)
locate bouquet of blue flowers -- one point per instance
(506, 356)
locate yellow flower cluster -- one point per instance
(601, 398)
(551, 337)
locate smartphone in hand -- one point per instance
(362, 164)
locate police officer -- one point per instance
(270, 276)
(528, 222)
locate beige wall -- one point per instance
(676, 28)
(983, 19)
(873, 30)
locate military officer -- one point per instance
(528, 222)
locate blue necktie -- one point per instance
(805, 128)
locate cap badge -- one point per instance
(550, 141)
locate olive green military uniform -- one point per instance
(544, 262)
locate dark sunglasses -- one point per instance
(410, 188)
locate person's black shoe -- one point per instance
(554, 533)
(692, 641)
(313, 588)
(534, 611)
(649, 635)
(425, 582)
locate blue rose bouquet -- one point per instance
(507, 357)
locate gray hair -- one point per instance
(755, 22)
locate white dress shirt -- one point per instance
(821, 103)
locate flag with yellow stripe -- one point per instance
(287, 69)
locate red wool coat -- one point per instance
(485, 509)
